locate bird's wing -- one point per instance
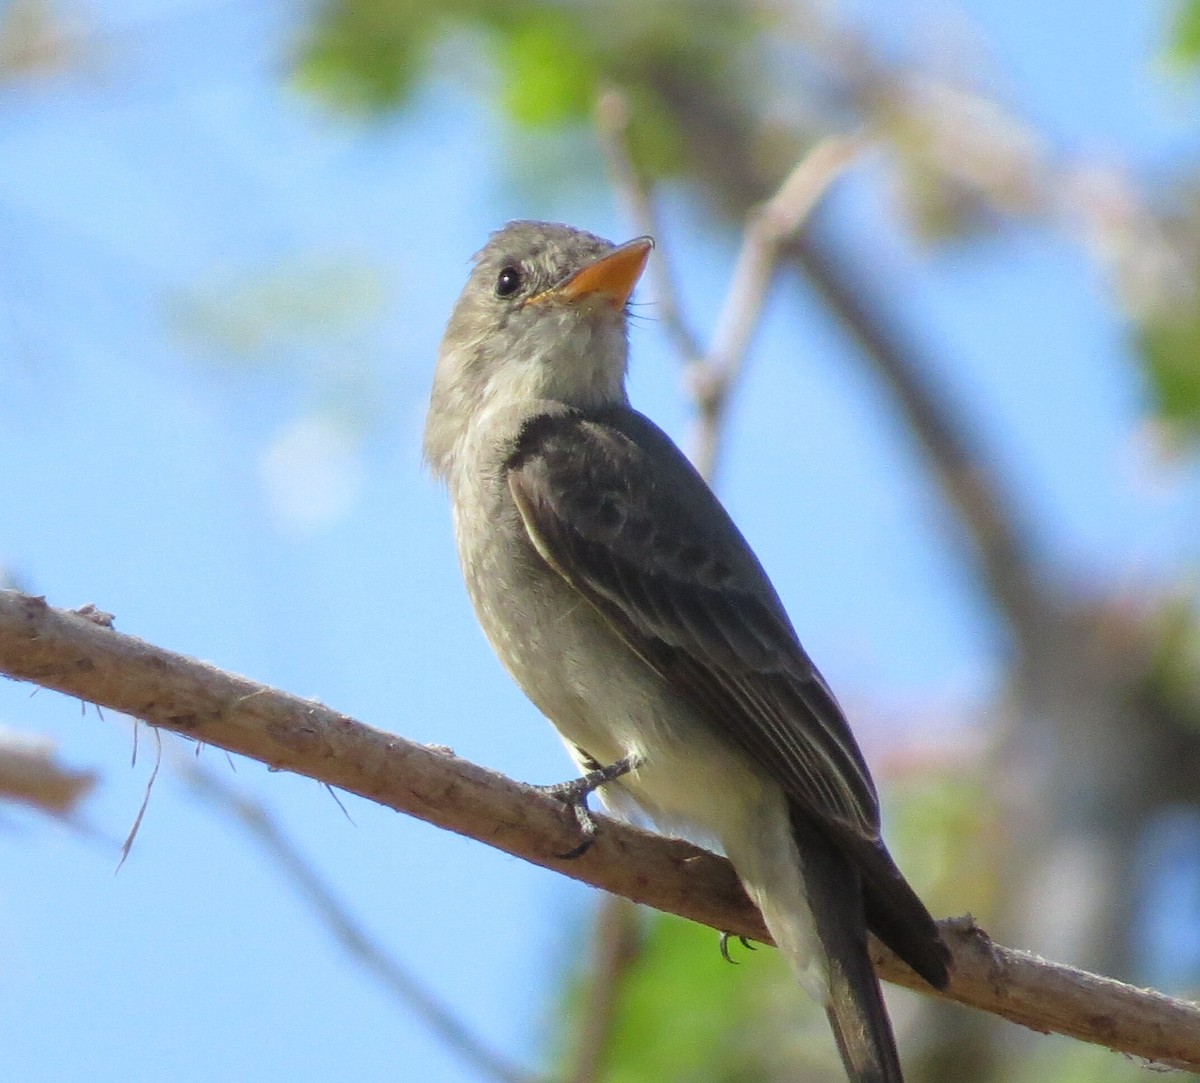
(614, 507)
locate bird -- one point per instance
(622, 598)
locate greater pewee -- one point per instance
(618, 592)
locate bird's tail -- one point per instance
(860, 1021)
(854, 1001)
(811, 895)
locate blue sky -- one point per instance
(147, 470)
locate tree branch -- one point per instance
(81, 657)
(764, 241)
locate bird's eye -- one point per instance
(509, 282)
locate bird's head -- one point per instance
(543, 317)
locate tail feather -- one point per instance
(860, 1021)
(854, 1004)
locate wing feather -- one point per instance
(619, 513)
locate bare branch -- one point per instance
(71, 654)
(357, 941)
(768, 228)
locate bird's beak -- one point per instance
(612, 276)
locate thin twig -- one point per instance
(767, 230)
(127, 845)
(353, 936)
(59, 650)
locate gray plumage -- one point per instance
(625, 602)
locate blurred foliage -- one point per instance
(1170, 345)
(548, 81)
(1185, 33)
(943, 829)
(1173, 677)
(730, 93)
(1064, 1061)
(550, 60)
(1161, 285)
(313, 318)
(686, 1015)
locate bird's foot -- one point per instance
(747, 944)
(575, 793)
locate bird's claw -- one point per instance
(724, 947)
(574, 795)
